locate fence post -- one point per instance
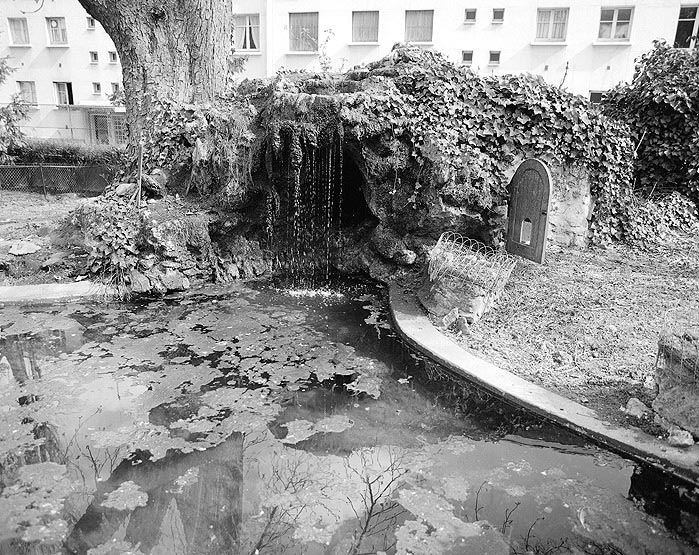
(140, 173)
(43, 181)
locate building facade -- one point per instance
(67, 66)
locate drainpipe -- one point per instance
(267, 43)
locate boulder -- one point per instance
(174, 280)
(636, 408)
(21, 248)
(442, 296)
(54, 260)
(680, 438)
(125, 189)
(677, 373)
(139, 282)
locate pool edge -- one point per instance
(416, 329)
(48, 293)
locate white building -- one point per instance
(587, 45)
(67, 65)
(66, 68)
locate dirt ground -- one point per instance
(586, 323)
(32, 218)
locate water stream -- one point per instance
(256, 420)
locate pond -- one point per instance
(253, 420)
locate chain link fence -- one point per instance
(55, 179)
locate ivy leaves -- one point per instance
(471, 128)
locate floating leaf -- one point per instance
(126, 497)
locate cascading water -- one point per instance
(308, 234)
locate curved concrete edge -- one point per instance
(52, 292)
(415, 328)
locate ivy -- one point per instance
(467, 129)
(661, 107)
(207, 148)
(112, 230)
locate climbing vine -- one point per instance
(661, 107)
(467, 130)
(207, 149)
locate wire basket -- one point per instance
(463, 261)
(678, 348)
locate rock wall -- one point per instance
(571, 203)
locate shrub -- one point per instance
(111, 230)
(49, 151)
(11, 136)
(661, 107)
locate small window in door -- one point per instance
(525, 232)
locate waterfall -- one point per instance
(307, 233)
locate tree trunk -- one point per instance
(169, 49)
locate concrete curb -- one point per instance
(51, 292)
(415, 328)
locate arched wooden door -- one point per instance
(527, 214)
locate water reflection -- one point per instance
(255, 422)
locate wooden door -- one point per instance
(527, 214)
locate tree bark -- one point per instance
(169, 49)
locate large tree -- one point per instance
(169, 49)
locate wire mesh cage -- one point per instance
(460, 262)
(678, 348)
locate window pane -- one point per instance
(365, 26)
(596, 97)
(621, 31)
(27, 91)
(605, 30)
(688, 13)
(303, 31)
(543, 19)
(418, 25)
(247, 31)
(683, 37)
(624, 15)
(467, 56)
(498, 14)
(19, 30)
(494, 57)
(470, 15)
(607, 15)
(560, 24)
(57, 30)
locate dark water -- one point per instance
(249, 420)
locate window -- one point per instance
(113, 57)
(90, 22)
(247, 31)
(498, 15)
(494, 58)
(115, 88)
(687, 27)
(615, 24)
(418, 25)
(58, 33)
(365, 26)
(470, 16)
(552, 24)
(596, 97)
(27, 91)
(64, 93)
(119, 129)
(94, 57)
(467, 57)
(96, 88)
(19, 30)
(303, 32)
